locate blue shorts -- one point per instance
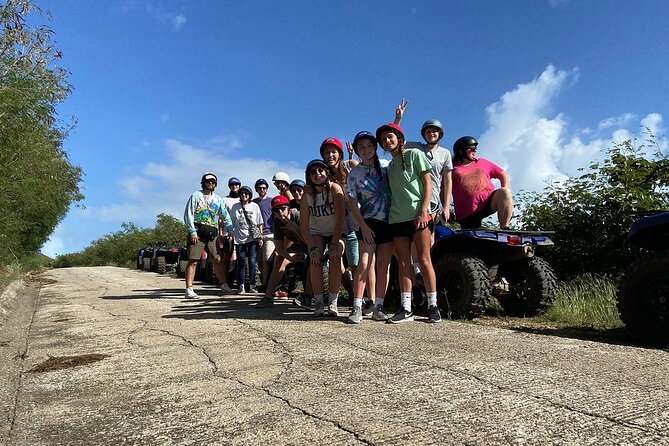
(352, 253)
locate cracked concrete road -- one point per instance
(236, 370)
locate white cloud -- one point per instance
(537, 148)
(176, 20)
(164, 187)
(617, 121)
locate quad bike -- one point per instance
(167, 257)
(643, 295)
(474, 265)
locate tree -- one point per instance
(592, 213)
(37, 180)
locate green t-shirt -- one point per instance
(406, 185)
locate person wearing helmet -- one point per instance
(410, 220)
(281, 181)
(332, 152)
(432, 132)
(368, 196)
(267, 251)
(203, 211)
(290, 245)
(322, 224)
(297, 189)
(474, 194)
(246, 214)
(228, 250)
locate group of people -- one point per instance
(352, 214)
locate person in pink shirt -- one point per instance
(474, 194)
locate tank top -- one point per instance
(321, 213)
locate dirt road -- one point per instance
(107, 356)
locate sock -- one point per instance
(432, 298)
(189, 288)
(333, 298)
(357, 302)
(416, 268)
(406, 301)
(379, 302)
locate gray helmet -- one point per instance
(432, 123)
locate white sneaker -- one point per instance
(241, 290)
(225, 289)
(190, 294)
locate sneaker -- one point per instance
(379, 314)
(332, 310)
(319, 309)
(225, 289)
(355, 317)
(190, 294)
(303, 301)
(433, 314)
(241, 290)
(401, 316)
(367, 308)
(252, 290)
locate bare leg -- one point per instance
(502, 203)
(422, 239)
(190, 272)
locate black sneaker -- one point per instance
(367, 308)
(433, 314)
(401, 316)
(303, 301)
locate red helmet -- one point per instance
(392, 127)
(333, 142)
(280, 200)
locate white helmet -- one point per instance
(281, 176)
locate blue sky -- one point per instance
(166, 90)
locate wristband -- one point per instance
(315, 251)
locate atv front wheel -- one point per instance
(643, 298)
(181, 268)
(463, 285)
(532, 286)
(146, 264)
(161, 267)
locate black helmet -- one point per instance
(432, 123)
(461, 144)
(247, 190)
(359, 136)
(209, 176)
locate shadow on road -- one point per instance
(615, 336)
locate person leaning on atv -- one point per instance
(474, 194)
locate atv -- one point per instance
(474, 265)
(643, 295)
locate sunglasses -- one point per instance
(317, 170)
(210, 181)
(297, 190)
(280, 209)
(261, 188)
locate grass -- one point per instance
(589, 301)
(18, 268)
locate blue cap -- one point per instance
(234, 180)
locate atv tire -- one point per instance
(532, 287)
(643, 298)
(146, 264)
(181, 268)
(161, 267)
(463, 286)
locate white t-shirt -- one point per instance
(242, 230)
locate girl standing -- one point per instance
(246, 214)
(369, 204)
(410, 221)
(321, 223)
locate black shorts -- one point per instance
(408, 229)
(474, 220)
(228, 245)
(381, 231)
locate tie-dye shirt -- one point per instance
(370, 190)
(206, 210)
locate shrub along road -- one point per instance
(113, 356)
